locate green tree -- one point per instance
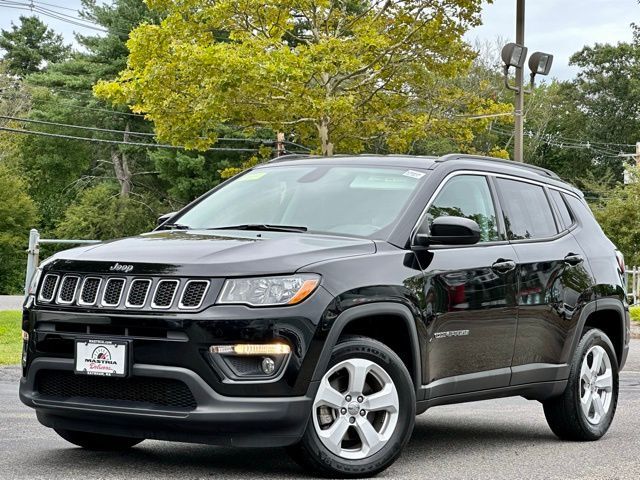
(18, 214)
(101, 213)
(338, 74)
(31, 46)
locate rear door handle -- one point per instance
(573, 259)
(503, 266)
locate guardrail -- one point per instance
(33, 253)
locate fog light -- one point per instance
(268, 366)
(252, 349)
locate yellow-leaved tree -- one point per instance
(337, 74)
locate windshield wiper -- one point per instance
(262, 227)
(174, 226)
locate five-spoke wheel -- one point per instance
(363, 412)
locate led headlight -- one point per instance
(269, 291)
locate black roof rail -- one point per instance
(511, 163)
(290, 156)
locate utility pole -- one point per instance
(638, 154)
(280, 148)
(519, 106)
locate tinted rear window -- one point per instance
(565, 215)
(526, 209)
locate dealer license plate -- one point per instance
(101, 357)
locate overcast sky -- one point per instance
(560, 27)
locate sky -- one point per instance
(560, 27)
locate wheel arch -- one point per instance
(608, 315)
(362, 320)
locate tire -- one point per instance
(96, 441)
(388, 424)
(565, 414)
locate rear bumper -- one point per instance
(217, 419)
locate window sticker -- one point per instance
(252, 176)
(413, 174)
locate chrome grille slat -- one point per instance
(193, 294)
(138, 292)
(112, 294)
(89, 291)
(67, 290)
(165, 293)
(48, 288)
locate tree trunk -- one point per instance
(325, 142)
(121, 167)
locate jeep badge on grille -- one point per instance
(121, 268)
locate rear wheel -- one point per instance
(96, 441)
(363, 413)
(586, 409)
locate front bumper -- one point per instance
(217, 419)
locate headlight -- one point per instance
(269, 291)
(33, 284)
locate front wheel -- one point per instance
(363, 413)
(96, 441)
(585, 410)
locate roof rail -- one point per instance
(290, 156)
(532, 168)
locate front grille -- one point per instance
(113, 292)
(89, 291)
(194, 293)
(165, 292)
(68, 287)
(48, 288)
(159, 392)
(138, 293)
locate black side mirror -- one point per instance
(163, 218)
(449, 230)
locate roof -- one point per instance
(416, 161)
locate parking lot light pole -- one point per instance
(518, 151)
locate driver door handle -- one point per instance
(502, 266)
(573, 259)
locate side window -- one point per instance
(526, 209)
(565, 215)
(467, 196)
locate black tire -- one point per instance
(311, 452)
(564, 414)
(96, 441)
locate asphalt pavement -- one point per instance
(11, 302)
(496, 439)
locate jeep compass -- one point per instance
(320, 304)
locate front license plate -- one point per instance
(101, 357)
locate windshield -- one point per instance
(344, 200)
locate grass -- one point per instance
(10, 337)
(635, 314)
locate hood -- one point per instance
(209, 253)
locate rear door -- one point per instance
(551, 274)
(470, 308)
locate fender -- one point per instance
(599, 305)
(362, 311)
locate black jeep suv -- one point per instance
(321, 303)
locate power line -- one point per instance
(144, 134)
(120, 142)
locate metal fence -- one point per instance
(633, 284)
(33, 253)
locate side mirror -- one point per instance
(163, 218)
(449, 230)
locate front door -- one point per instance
(470, 306)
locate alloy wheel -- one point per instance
(355, 411)
(596, 384)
